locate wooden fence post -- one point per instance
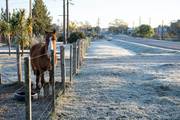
(19, 66)
(71, 61)
(74, 58)
(53, 80)
(78, 54)
(81, 52)
(83, 47)
(27, 88)
(63, 69)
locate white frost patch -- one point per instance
(116, 88)
(123, 85)
(105, 49)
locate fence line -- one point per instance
(77, 53)
(49, 105)
(6, 76)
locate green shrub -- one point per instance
(75, 36)
(144, 31)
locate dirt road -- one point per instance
(124, 81)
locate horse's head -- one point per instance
(50, 36)
(50, 42)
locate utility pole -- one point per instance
(7, 19)
(64, 21)
(139, 20)
(30, 8)
(98, 25)
(67, 33)
(133, 25)
(7, 10)
(30, 17)
(98, 22)
(150, 21)
(162, 30)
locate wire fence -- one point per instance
(69, 61)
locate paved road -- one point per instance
(152, 42)
(124, 81)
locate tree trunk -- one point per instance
(9, 44)
(22, 47)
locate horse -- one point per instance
(40, 58)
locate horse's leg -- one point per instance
(42, 80)
(41, 93)
(37, 80)
(50, 77)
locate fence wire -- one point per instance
(42, 107)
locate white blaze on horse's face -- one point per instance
(50, 46)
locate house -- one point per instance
(161, 31)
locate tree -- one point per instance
(6, 35)
(144, 31)
(175, 28)
(41, 18)
(22, 35)
(73, 27)
(75, 36)
(18, 28)
(118, 26)
(22, 29)
(4, 29)
(84, 26)
(3, 15)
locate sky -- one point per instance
(151, 12)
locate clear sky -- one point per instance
(108, 10)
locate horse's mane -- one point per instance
(37, 40)
(42, 39)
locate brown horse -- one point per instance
(40, 59)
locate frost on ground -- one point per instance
(116, 84)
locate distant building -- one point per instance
(161, 31)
